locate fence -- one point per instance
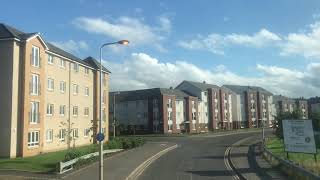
(67, 166)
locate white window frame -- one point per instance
(75, 133)
(62, 108)
(86, 132)
(76, 67)
(62, 86)
(75, 111)
(62, 134)
(34, 112)
(49, 135)
(35, 56)
(33, 138)
(86, 109)
(75, 89)
(50, 109)
(86, 91)
(50, 84)
(62, 63)
(50, 59)
(86, 71)
(35, 84)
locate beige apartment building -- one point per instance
(49, 97)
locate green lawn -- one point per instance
(40, 163)
(275, 145)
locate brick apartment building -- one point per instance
(157, 110)
(217, 102)
(49, 97)
(285, 104)
(256, 105)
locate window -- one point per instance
(62, 110)
(169, 127)
(75, 89)
(205, 93)
(62, 134)
(34, 113)
(169, 105)
(62, 86)
(50, 59)
(75, 133)
(194, 116)
(86, 70)
(62, 63)
(86, 111)
(34, 85)
(76, 67)
(169, 116)
(193, 126)
(50, 109)
(33, 139)
(50, 84)
(35, 58)
(193, 104)
(86, 91)
(86, 132)
(75, 111)
(49, 135)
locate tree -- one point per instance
(315, 120)
(295, 114)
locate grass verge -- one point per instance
(46, 163)
(275, 145)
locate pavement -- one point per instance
(246, 156)
(120, 166)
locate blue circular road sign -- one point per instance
(100, 137)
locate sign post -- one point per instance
(298, 136)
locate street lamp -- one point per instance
(122, 42)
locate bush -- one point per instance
(124, 143)
(82, 162)
(72, 154)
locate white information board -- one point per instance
(298, 136)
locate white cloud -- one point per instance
(216, 43)
(304, 44)
(71, 45)
(135, 30)
(144, 71)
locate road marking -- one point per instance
(139, 170)
(228, 161)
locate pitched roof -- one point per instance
(7, 31)
(203, 86)
(142, 94)
(241, 89)
(93, 62)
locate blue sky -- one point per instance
(266, 43)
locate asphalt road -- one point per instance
(196, 158)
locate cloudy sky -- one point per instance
(274, 44)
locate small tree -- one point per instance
(295, 114)
(315, 121)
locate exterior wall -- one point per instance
(27, 97)
(165, 114)
(236, 111)
(251, 108)
(315, 108)
(225, 113)
(133, 113)
(69, 99)
(9, 79)
(263, 108)
(272, 111)
(192, 111)
(214, 108)
(179, 114)
(303, 106)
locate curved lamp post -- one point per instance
(122, 42)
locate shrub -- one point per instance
(82, 162)
(124, 143)
(72, 154)
(114, 144)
